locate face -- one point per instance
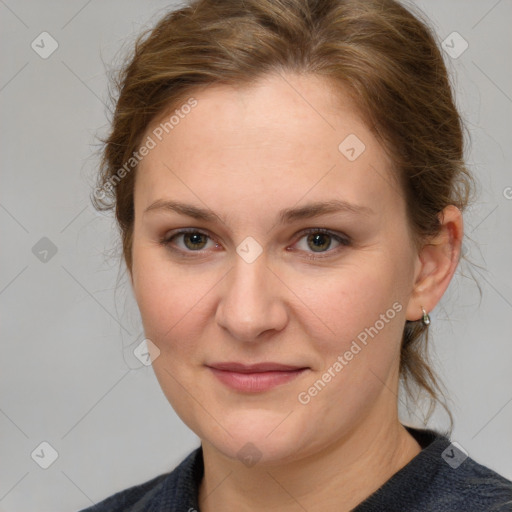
(289, 247)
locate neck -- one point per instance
(336, 478)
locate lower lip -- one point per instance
(255, 382)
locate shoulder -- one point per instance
(471, 486)
(460, 482)
(441, 478)
(125, 500)
(177, 489)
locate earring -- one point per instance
(426, 318)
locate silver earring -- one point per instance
(426, 318)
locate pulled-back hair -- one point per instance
(376, 50)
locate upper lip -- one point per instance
(254, 368)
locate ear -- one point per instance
(437, 262)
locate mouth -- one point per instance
(255, 378)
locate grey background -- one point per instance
(67, 372)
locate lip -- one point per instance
(254, 368)
(254, 378)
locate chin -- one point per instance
(257, 437)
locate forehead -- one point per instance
(285, 137)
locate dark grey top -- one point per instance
(441, 478)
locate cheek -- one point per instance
(171, 300)
(349, 301)
(357, 340)
(362, 308)
(172, 307)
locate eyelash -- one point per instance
(343, 240)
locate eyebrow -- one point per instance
(285, 216)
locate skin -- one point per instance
(245, 153)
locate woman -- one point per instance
(288, 178)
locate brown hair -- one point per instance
(384, 56)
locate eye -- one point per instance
(313, 241)
(319, 240)
(192, 240)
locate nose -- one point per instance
(251, 302)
